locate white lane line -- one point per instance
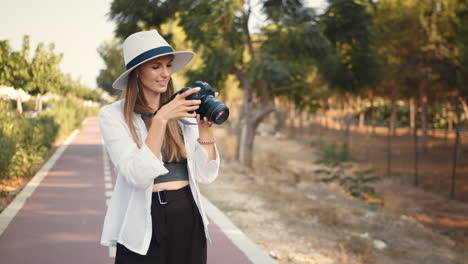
(250, 249)
(108, 187)
(13, 208)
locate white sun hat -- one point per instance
(144, 46)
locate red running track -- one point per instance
(61, 221)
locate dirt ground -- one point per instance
(435, 165)
(435, 174)
(313, 222)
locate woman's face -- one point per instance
(154, 74)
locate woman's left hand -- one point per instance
(206, 135)
(204, 124)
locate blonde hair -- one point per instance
(173, 148)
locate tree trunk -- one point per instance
(325, 118)
(291, 119)
(38, 103)
(320, 131)
(252, 116)
(301, 125)
(19, 104)
(326, 105)
(247, 136)
(423, 112)
(449, 127)
(412, 114)
(362, 113)
(249, 126)
(389, 149)
(347, 136)
(393, 117)
(362, 116)
(280, 119)
(463, 104)
(424, 126)
(416, 155)
(456, 148)
(373, 116)
(237, 129)
(245, 108)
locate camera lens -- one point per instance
(220, 114)
(214, 110)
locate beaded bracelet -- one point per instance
(205, 141)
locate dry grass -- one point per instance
(308, 222)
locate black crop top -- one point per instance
(177, 172)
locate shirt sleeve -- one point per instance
(139, 166)
(207, 171)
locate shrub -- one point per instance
(332, 155)
(354, 182)
(7, 151)
(48, 127)
(68, 113)
(25, 141)
(92, 111)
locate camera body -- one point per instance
(210, 107)
(205, 91)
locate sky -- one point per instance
(77, 28)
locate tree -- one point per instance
(111, 54)
(273, 62)
(348, 27)
(422, 45)
(45, 73)
(68, 86)
(451, 44)
(14, 71)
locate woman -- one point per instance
(155, 214)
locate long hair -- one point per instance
(173, 148)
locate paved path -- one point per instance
(61, 221)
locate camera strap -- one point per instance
(150, 115)
(147, 115)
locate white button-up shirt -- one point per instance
(128, 217)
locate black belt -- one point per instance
(165, 196)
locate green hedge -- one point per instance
(68, 113)
(25, 141)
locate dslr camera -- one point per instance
(212, 108)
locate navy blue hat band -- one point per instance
(148, 54)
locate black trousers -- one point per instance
(178, 233)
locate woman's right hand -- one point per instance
(179, 107)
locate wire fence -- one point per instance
(369, 146)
